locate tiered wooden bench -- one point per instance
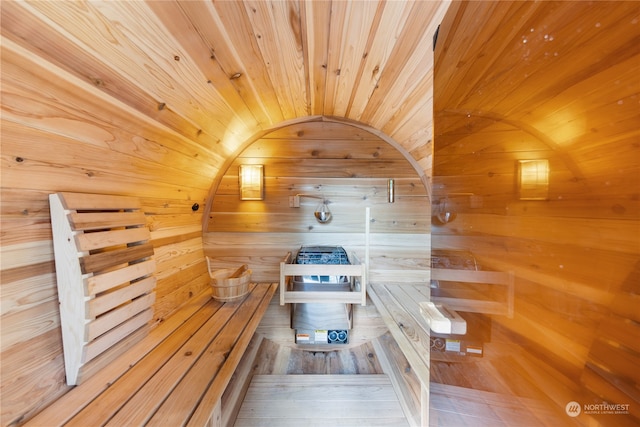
(174, 376)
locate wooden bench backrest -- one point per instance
(104, 268)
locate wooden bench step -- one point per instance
(175, 376)
(320, 400)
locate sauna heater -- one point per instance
(321, 323)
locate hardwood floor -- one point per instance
(508, 386)
(321, 400)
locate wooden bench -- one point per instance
(174, 376)
(399, 307)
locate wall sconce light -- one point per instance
(533, 179)
(251, 179)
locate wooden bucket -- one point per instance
(229, 284)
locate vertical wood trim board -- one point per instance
(101, 303)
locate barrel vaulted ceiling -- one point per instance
(561, 76)
(222, 72)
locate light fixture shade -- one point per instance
(533, 179)
(251, 179)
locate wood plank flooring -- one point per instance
(510, 385)
(460, 406)
(369, 400)
(320, 400)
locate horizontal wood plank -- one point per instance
(110, 320)
(124, 329)
(105, 220)
(103, 282)
(105, 302)
(98, 202)
(105, 239)
(104, 260)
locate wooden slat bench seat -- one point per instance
(174, 376)
(398, 305)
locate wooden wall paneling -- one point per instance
(53, 46)
(327, 147)
(45, 106)
(238, 54)
(316, 19)
(26, 211)
(190, 25)
(35, 364)
(26, 286)
(356, 191)
(141, 36)
(302, 220)
(611, 369)
(34, 146)
(608, 234)
(334, 168)
(317, 129)
(76, 106)
(560, 300)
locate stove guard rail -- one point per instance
(357, 272)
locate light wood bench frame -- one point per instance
(104, 269)
(174, 376)
(399, 308)
(357, 272)
(479, 277)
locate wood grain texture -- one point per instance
(93, 322)
(137, 382)
(156, 99)
(287, 400)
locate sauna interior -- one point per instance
(484, 137)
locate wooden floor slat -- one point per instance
(369, 400)
(336, 400)
(460, 406)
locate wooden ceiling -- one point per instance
(539, 80)
(220, 72)
(536, 79)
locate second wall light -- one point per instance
(251, 181)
